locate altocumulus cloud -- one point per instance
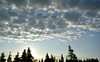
(44, 19)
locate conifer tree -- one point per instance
(42, 60)
(39, 61)
(17, 58)
(52, 58)
(29, 55)
(62, 58)
(3, 57)
(66, 59)
(9, 58)
(97, 60)
(47, 59)
(71, 55)
(47, 56)
(24, 56)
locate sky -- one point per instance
(49, 26)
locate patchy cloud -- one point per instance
(4, 15)
(20, 4)
(36, 20)
(38, 4)
(72, 16)
(90, 14)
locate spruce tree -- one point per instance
(9, 58)
(17, 58)
(39, 61)
(24, 56)
(29, 55)
(3, 57)
(71, 55)
(52, 58)
(42, 60)
(47, 59)
(62, 58)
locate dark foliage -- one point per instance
(17, 58)
(9, 58)
(2, 58)
(27, 57)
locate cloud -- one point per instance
(2, 25)
(4, 16)
(38, 4)
(1, 4)
(16, 3)
(89, 5)
(44, 19)
(80, 5)
(90, 14)
(72, 16)
(12, 14)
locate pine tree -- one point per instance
(24, 56)
(3, 57)
(52, 58)
(17, 58)
(47, 59)
(39, 61)
(0, 58)
(29, 55)
(42, 60)
(62, 58)
(47, 56)
(71, 55)
(66, 59)
(9, 58)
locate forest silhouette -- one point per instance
(27, 57)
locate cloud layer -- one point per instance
(44, 19)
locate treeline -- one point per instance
(27, 57)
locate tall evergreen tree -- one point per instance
(24, 56)
(0, 58)
(66, 59)
(52, 58)
(29, 55)
(71, 55)
(39, 61)
(3, 57)
(47, 56)
(9, 58)
(62, 58)
(17, 58)
(47, 59)
(42, 60)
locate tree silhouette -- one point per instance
(91, 60)
(9, 57)
(52, 58)
(39, 61)
(42, 60)
(62, 58)
(24, 56)
(71, 55)
(29, 55)
(47, 58)
(2, 57)
(17, 58)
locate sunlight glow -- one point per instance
(32, 48)
(33, 51)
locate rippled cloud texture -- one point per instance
(44, 19)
